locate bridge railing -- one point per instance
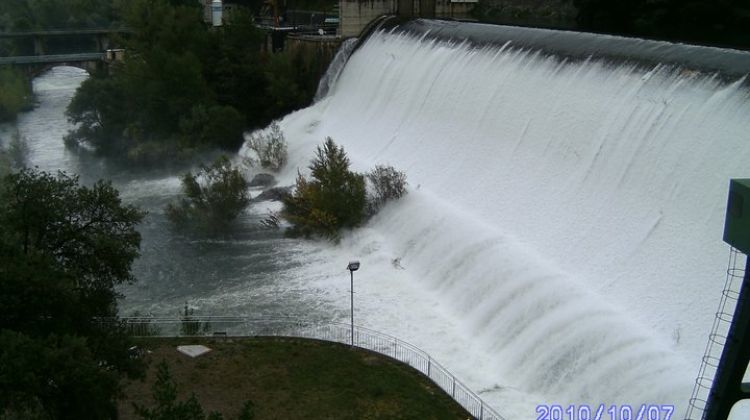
(365, 338)
(53, 58)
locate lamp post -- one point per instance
(352, 267)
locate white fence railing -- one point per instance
(328, 331)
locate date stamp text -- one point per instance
(605, 412)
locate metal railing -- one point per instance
(53, 58)
(717, 338)
(194, 326)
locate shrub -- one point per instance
(214, 197)
(387, 184)
(335, 198)
(269, 146)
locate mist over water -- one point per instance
(560, 242)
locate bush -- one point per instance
(214, 197)
(387, 184)
(269, 146)
(335, 198)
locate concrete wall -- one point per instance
(356, 14)
(324, 47)
(453, 9)
(544, 13)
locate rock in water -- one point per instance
(262, 180)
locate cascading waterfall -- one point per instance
(335, 68)
(565, 214)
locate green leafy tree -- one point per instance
(86, 230)
(98, 114)
(63, 249)
(335, 198)
(185, 88)
(213, 197)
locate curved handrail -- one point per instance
(366, 338)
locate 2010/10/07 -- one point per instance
(602, 412)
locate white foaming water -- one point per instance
(335, 68)
(561, 241)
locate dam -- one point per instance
(566, 204)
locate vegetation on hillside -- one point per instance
(185, 88)
(63, 249)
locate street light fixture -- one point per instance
(352, 267)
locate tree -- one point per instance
(63, 249)
(98, 114)
(335, 198)
(88, 231)
(214, 197)
(185, 88)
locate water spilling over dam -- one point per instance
(566, 204)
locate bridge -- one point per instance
(41, 59)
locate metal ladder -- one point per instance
(717, 337)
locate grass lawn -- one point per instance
(289, 378)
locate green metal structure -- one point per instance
(727, 387)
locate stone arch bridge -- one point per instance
(97, 57)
